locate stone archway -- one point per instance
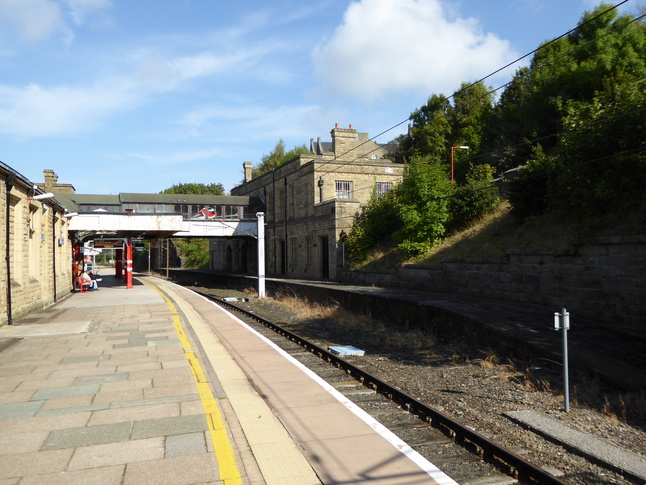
(228, 259)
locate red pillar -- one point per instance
(118, 264)
(129, 263)
(75, 265)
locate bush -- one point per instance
(196, 252)
(529, 192)
(475, 199)
(378, 220)
(423, 205)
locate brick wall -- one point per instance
(603, 282)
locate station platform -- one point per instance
(156, 384)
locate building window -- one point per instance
(290, 202)
(34, 231)
(306, 199)
(182, 209)
(293, 254)
(382, 188)
(232, 212)
(343, 189)
(280, 204)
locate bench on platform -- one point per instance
(82, 285)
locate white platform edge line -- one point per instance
(431, 470)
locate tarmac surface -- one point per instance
(156, 385)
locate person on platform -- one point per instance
(87, 279)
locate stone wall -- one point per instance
(603, 282)
(39, 251)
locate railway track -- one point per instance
(471, 458)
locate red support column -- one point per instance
(129, 263)
(75, 265)
(118, 264)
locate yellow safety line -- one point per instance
(224, 454)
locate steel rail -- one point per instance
(516, 466)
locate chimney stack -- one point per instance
(247, 167)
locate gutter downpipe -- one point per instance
(286, 237)
(54, 251)
(9, 185)
(275, 225)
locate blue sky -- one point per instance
(137, 95)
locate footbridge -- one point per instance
(115, 221)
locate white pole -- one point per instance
(261, 254)
(565, 325)
(562, 322)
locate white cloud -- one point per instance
(176, 158)
(79, 10)
(384, 46)
(41, 20)
(33, 20)
(37, 111)
(246, 121)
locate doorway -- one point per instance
(325, 257)
(282, 257)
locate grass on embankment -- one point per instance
(500, 233)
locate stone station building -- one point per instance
(34, 242)
(310, 205)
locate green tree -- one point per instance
(423, 205)
(277, 157)
(573, 120)
(510, 125)
(430, 129)
(473, 200)
(375, 224)
(194, 250)
(529, 192)
(439, 125)
(469, 114)
(195, 188)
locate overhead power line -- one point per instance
(371, 139)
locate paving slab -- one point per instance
(121, 453)
(66, 391)
(178, 470)
(92, 476)
(36, 463)
(168, 426)
(63, 328)
(102, 388)
(88, 436)
(19, 410)
(185, 444)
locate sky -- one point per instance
(139, 95)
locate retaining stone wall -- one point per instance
(603, 282)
